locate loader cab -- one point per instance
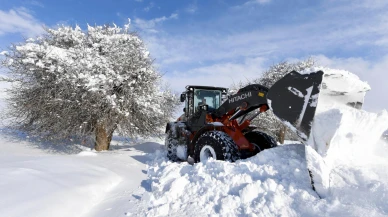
(199, 96)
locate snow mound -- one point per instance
(273, 183)
(345, 133)
(342, 137)
(341, 133)
(341, 129)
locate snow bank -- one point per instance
(345, 133)
(340, 128)
(273, 183)
(342, 133)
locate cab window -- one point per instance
(212, 98)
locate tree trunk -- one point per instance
(103, 138)
(282, 134)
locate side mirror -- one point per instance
(183, 97)
(184, 110)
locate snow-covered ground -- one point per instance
(41, 179)
(45, 181)
(135, 178)
(273, 183)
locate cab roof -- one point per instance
(206, 87)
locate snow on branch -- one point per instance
(70, 81)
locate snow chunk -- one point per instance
(181, 152)
(251, 191)
(339, 81)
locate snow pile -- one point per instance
(339, 80)
(272, 183)
(340, 128)
(342, 133)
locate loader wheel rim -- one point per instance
(206, 153)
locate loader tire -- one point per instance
(216, 144)
(263, 140)
(171, 146)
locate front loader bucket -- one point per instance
(293, 99)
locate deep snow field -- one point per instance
(41, 179)
(136, 179)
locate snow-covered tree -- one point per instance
(70, 82)
(267, 122)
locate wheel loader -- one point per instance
(217, 125)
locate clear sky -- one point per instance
(218, 42)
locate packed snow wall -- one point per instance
(342, 132)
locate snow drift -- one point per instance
(273, 183)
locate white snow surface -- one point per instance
(337, 76)
(341, 134)
(273, 183)
(340, 86)
(48, 185)
(268, 184)
(42, 179)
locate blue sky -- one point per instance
(219, 42)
